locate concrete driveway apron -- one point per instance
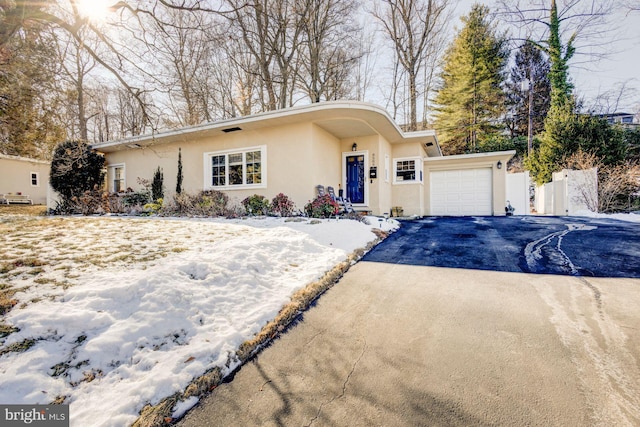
(529, 330)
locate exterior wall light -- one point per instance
(499, 165)
(354, 147)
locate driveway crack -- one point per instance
(597, 295)
(344, 387)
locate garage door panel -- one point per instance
(462, 192)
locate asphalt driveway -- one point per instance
(459, 321)
(529, 244)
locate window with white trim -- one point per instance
(407, 170)
(236, 168)
(35, 181)
(117, 178)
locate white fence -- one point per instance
(518, 185)
(570, 191)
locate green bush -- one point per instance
(256, 205)
(281, 205)
(157, 185)
(322, 207)
(153, 207)
(75, 169)
(136, 198)
(179, 177)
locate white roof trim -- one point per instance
(493, 154)
(376, 117)
(23, 159)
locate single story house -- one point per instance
(23, 180)
(353, 146)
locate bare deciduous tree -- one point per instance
(327, 52)
(271, 33)
(615, 183)
(415, 29)
(183, 51)
(364, 72)
(583, 23)
(75, 66)
(609, 102)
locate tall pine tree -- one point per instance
(470, 101)
(561, 125)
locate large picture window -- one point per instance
(236, 168)
(407, 170)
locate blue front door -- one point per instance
(355, 178)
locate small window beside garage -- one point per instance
(35, 181)
(407, 171)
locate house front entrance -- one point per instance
(355, 177)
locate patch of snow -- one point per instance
(183, 406)
(629, 217)
(533, 250)
(122, 338)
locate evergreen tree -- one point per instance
(559, 56)
(530, 64)
(567, 132)
(28, 113)
(632, 139)
(179, 177)
(470, 101)
(157, 185)
(75, 168)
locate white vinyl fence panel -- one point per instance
(570, 192)
(518, 192)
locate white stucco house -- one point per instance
(23, 180)
(352, 146)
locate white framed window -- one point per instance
(117, 175)
(407, 170)
(35, 179)
(242, 168)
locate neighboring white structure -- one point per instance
(518, 185)
(570, 191)
(24, 177)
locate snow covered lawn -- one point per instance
(108, 314)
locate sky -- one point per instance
(621, 66)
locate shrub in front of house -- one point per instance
(281, 205)
(113, 203)
(153, 207)
(132, 199)
(322, 207)
(204, 203)
(76, 169)
(157, 185)
(256, 205)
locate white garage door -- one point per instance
(462, 192)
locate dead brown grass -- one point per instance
(6, 302)
(28, 210)
(35, 248)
